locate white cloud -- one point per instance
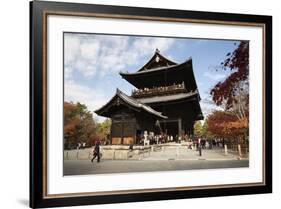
(208, 108)
(71, 48)
(101, 55)
(146, 46)
(67, 73)
(89, 51)
(214, 76)
(93, 98)
(92, 55)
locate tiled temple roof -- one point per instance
(167, 98)
(131, 102)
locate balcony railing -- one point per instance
(161, 90)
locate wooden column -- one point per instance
(112, 121)
(122, 132)
(179, 126)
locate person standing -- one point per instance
(96, 152)
(200, 146)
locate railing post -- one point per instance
(225, 149)
(239, 150)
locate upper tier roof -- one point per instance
(156, 69)
(163, 76)
(156, 61)
(127, 100)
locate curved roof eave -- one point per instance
(130, 101)
(154, 69)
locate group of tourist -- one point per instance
(161, 139)
(192, 143)
(205, 143)
(81, 145)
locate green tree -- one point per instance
(198, 129)
(205, 130)
(103, 129)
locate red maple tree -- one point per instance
(218, 123)
(237, 62)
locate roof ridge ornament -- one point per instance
(118, 91)
(157, 59)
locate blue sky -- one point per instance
(92, 64)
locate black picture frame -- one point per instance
(38, 12)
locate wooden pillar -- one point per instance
(179, 126)
(135, 131)
(192, 128)
(122, 131)
(112, 121)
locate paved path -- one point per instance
(182, 153)
(167, 160)
(80, 167)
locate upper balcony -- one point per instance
(158, 91)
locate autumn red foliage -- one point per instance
(226, 125)
(79, 126)
(217, 123)
(233, 95)
(238, 63)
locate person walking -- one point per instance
(200, 146)
(96, 152)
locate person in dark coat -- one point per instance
(96, 152)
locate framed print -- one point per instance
(139, 104)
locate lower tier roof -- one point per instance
(103, 111)
(168, 98)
